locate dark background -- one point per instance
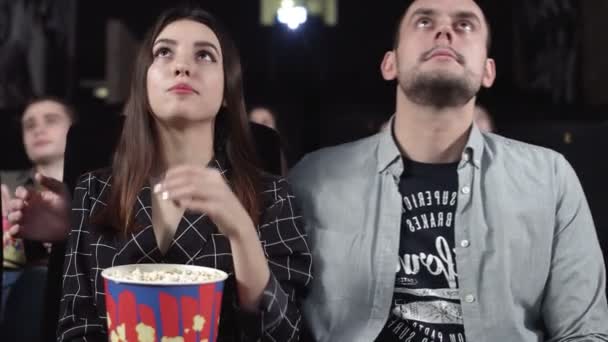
(325, 82)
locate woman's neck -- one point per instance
(191, 144)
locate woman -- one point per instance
(184, 188)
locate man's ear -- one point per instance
(489, 73)
(389, 66)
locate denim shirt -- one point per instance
(529, 263)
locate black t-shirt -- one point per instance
(426, 304)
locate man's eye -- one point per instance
(465, 25)
(423, 22)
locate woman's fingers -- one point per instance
(23, 194)
(187, 181)
(15, 204)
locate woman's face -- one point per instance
(185, 81)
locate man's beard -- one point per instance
(439, 90)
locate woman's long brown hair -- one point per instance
(138, 147)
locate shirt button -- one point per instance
(465, 243)
(469, 298)
(465, 156)
(465, 190)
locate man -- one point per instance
(434, 231)
(44, 123)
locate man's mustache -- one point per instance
(429, 54)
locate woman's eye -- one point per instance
(206, 56)
(162, 52)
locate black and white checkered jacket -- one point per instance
(197, 241)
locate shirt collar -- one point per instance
(389, 156)
(474, 147)
(388, 152)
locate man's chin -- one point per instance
(442, 74)
(44, 159)
(439, 89)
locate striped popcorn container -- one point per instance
(163, 302)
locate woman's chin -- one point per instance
(184, 119)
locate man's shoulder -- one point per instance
(335, 163)
(519, 152)
(342, 155)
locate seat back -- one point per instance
(24, 306)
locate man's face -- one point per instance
(441, 56)
(45, 127)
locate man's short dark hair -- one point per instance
(68, 108)
(408, 4)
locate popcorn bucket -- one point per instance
(163, 302)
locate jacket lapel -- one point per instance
(140, 246)
(194, 231)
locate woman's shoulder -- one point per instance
(91, 191)
(95, 181)
(270, 181)
(274, 188)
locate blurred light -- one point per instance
(101, 92)
(291, 15)
(326, 10)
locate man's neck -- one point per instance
(52, 169)
(432, 135)
(192, 145)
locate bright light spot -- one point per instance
(101, 92)
(291, 15)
